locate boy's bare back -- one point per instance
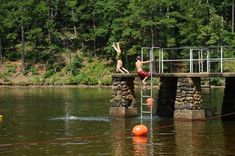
(138, 65)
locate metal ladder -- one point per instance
(147, 91)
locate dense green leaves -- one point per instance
(52, 27)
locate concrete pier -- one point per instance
(179, 97)
(123, 101)
(188, 101)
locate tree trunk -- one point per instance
(1, 55)
(152, 37)
(49, 22)
(75, 31)
(94, 44)
(23, 48)
(74, 27)
(233, 16)
(94, 26)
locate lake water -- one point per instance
(72, 121)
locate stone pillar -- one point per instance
(229, 98)
(188, 102)
(166, 96)
(123, 102)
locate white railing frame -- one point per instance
(200, 57)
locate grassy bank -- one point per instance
(73, 70)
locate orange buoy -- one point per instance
(149, 101)
(140, 130)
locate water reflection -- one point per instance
(118, 130)
(75, 122)
(229, 137)
(140, 146)
(123, 142)
(199, 138)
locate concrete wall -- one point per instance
(166, 96)
(123, 101)
(229, 98)
(188, 101)
(180, 98)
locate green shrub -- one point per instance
(33, 70)
(216, 81)
(90, 80)
(11, 68)
(107, 80)
(5, 76)
(75, 66)
(79, 78)
(49, 73)
(229, 66)
(95, 72)
(37, 80)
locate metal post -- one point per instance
(159, 61)
(190, 61)
(221, 59)
(141, 91)
(151, 83)
(208, 61)
(199, 61)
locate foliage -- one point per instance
(11, 68)
(49, 73)
(229, 66)
(97, 72)
(94, 73)
(75, 66)
(216, 81)
(33, 70)
(51, 28)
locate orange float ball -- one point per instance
(140, 130)
(149, 101)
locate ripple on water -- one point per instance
(70, 117)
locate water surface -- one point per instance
(72, 121)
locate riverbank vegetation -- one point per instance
(69, 42)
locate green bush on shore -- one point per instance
(96, 72)
(81, 70)
(88, 72)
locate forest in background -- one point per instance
(70, 41)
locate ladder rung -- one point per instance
(147, 112)
(144, 104)
(145, 88)
(146, 96)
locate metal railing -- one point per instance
(213, 59)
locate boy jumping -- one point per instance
(119, 67)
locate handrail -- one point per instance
(196, 59)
